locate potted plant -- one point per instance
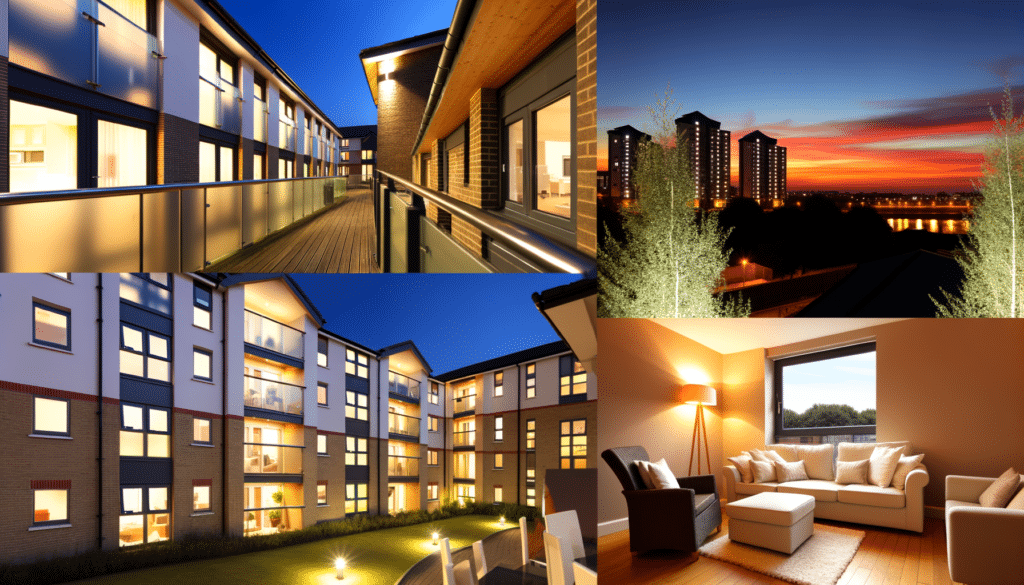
(275, 515)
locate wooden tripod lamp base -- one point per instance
(702, 396)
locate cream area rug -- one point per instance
(820, 560)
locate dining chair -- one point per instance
(524, 539)
(479, 560)
(559, 560)
(461, 574)
(583, 574)
(566, 525)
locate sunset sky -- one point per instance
(866, 96)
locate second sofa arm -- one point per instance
(732, 477)
(966, 488)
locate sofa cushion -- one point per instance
(787, 452)
(742, 463)
(870, 495)
(1001, 491)
(790, 471)
(759, 455)
(882, 465)
(817, 460)
(848, 472)
(1017, 503)
(822, 491)
(858, 451)
(903, 469)
(776, 509)
(756, 488)
(763, 471)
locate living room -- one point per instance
(948, 390)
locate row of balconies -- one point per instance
(287, 460)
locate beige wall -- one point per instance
(642, 365)
(954, 389)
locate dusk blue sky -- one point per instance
(454, 319)
(317, 43)
(894, 94)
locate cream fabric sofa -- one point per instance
(861, 504)
(985, 546)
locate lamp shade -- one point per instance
(699, 394)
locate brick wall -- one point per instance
(177, 150)
(245, 160)
(202, 463)
(234, 501)
(400, 108)
(272, 157)
(547, 452)
(586, 126)
(332, 470)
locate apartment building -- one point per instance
(708, 148)
(357, 153)
(622, 149)
(762, 169)
(145, 407)
(141, 92)
(516, 416)
(498, 114)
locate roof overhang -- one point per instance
(501, 40)
(572, 311)
(374, 56)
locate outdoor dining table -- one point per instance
(531, 574)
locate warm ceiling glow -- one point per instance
(690, 375)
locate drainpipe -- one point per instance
(521, 441)
(224, 401)
(380, 483)
(99, 408)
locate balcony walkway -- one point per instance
(340, 239)
(501, 548)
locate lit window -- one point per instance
(433, 423)
(531, 380)
(145, 354)
(499, 429)
(202, 306)
(355, 498)
(321, 352)
(51, 326)
(499, 384)
(434, 395)
(531, 434)
(51, 416)
(499, 460)
(50, 505)
(357, 364)
(499, 495)
(202, 364)
(356, 405)
(573, 377)
(356, 451)
(200, 498)
(321, 444)
(43, 148)
(321, 393)
(321, 493)
(201, 431)
(431, 457)
(432, 491)
(145, 431)
(145, 515)
(573, 447)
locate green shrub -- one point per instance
(96, 563)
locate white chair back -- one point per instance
(524, 540)
(566, 525)
(583, 575)
(448, 574)
(557, 555)
(479, 560)
(446, 552)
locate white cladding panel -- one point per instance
(181, 68)
(189, 392)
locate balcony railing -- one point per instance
(403, 385)
(464, 438)
(219, 106)
(87, 44)
(259, 130)
(401, 466)
(273, 395)
(286, 135)
(407, 228)
(272, 458)
(464, 403)
(157, 228)
(402, 424)
(464, 470)
(273, 335)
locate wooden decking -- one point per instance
(502, 548)
(886, 556)
(338, 239)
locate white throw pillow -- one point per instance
(763, 471)
(661, 475)
(742, 463)
(758, 455)
(882, 465)
(903, 469)
(999, 494)
(818, 461)
(860, 451)
(644, 474)
(1017, 503)
(787, 452)
(848, 472)
(773, 456)
(790, 471)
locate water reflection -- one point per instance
(935, 226)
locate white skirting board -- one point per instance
(612, 526)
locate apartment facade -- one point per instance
(358, 153)
(516, 416)
(141, 92)
(146, 407)
(501, 117)
(709, 147)
(762, 169)
(622, 149)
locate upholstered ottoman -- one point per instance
(772, 520)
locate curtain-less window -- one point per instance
(514, 161)
(121, 155)
(43, 149)
(553, 158)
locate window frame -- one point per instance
(209, 424)
(499, 428)
(355, 405)
(146, 353)
(322, 341)
(433, 421)
(531, 380)
(356, 451)
(499, 384)
(198, 287)
(321, 438)
(209, 355)
(37, 304)
(356, 359)
(66, 521)
(434, 393)
(146, 430)
(433, 454)
(67, 419)
(572, 433)
(779, 364)
(320, 385)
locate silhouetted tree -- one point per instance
(827, 415)
(993, 259)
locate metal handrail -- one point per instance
(274, 321)
(97, 192)
(531, 245)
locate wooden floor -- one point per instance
(885, 557)
(339, 239)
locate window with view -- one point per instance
(144, 516)
(357, 364)
(356, 405)
(435, 392)
(202, 306)
(826, 397)
(51, 326)
(145, 431)
(573, 378)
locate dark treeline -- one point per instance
(827, 415)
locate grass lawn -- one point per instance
(379, 557)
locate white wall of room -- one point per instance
(245, 86)
(309, 371)
(190, 393)
(273, 115)
(300, 126)
(111, 351)
(181, 67)
(332, 416)
(234, 360)
(492, 404)
(38, 365)
(548, 383)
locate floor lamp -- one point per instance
(702, 396)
